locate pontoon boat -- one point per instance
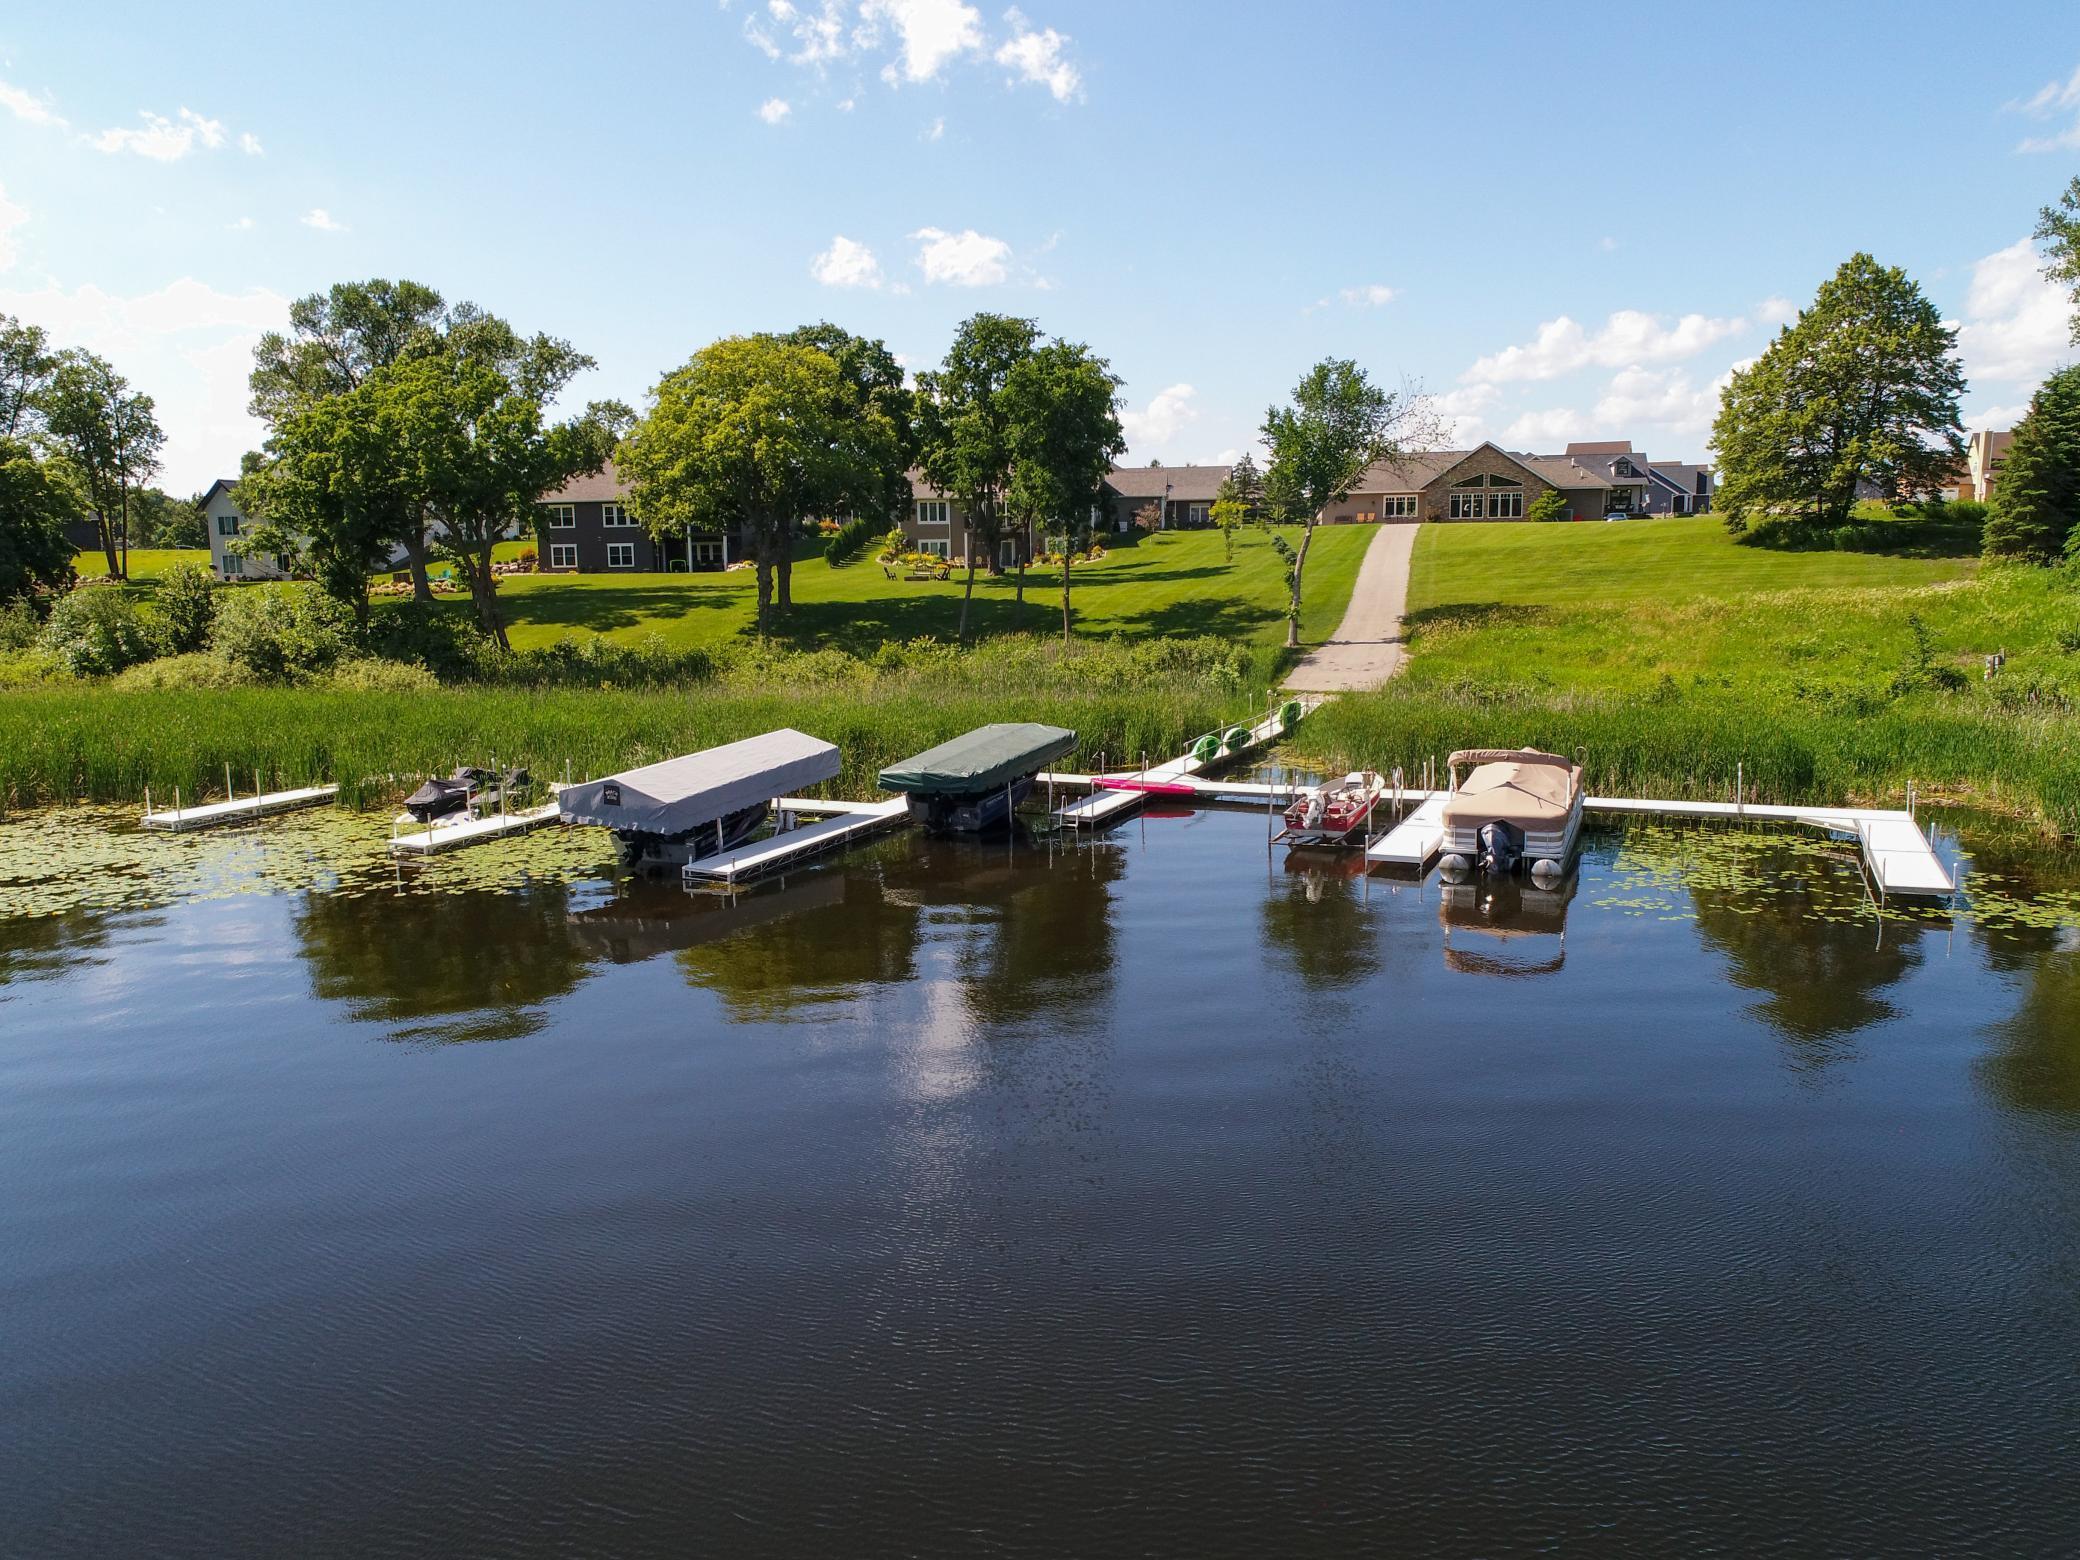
(1517, 805)
(666, 814)
(973, 784)
(1329, 814)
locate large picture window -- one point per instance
(1398, 506)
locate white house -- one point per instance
(226, 522)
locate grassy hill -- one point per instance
(1174, 583)
(1670, 655)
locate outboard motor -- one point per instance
(1501, 845)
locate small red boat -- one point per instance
(1332, 812)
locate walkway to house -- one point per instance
(1367, 648)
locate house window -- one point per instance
(1007, 555)
(614, 514)
(1623, 468)
(621, 555)
(227, 525)
(935, 549)
(1680, 504)
(1196, 514)
(232, 564)
(563, 555)
(934, 511)
(1506, 506)
(707, 552)
(562, 516)
(1398, 506)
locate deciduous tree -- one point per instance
(1339, 424)
(1862, 387)
(2035, 512)
(1061, 404)
(2058, 230)
(965, 448)
(35, 509)
(752, 433)
(26, 363)
(109, 438)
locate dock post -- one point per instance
(176, 804)
(148, 801)
(1740, 792)
(229, 794)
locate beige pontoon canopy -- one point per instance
(1520, 786)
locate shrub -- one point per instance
(281, 633)
(448, 644)
(186, 605)
(28, 667)
(847, 542)
(97, 631)
(527, 557)
(372, 674)
(20, 627)
(1549, 505)
(195, 669)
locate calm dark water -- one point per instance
(1151, 1197)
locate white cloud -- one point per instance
(1607, 244)
(1168, 413)
(321, 219)
(1665, 398)
(847, 263)
(1370, 296)
(1997, 418)
(1547, 430)
(242, 225)
(2017, 325)
(2053, 100)
(963, 259)
(1035, 55)
(773, 110)
(1628, 337)
(249, 143)
(1462, 414)
(932, 34)
(820, 34)
(936, 130)
(187, 345)
(26, 105)
(846, 105)
(1775, 311)
(11, 217)
(163, 139)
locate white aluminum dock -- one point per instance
(239, 809)
(848, 822)
(1895, 851)
(1103, 807)
(443, 836)
(1416, 838)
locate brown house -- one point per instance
(1183, 495)
(585, 527)
(936, 525)
(1488, 483)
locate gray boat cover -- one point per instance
(683, 793)
(985, 759)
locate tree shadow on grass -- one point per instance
(861, 627)
(625, 606)
(1225, 617)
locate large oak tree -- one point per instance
(1861, 388)
(1061, 406)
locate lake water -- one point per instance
(1153, 1195)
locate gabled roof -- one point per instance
(601, 486)
(221, 485)
(1563, 471)
(1186, 484)
(1419, 468)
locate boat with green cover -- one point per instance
(974, 783)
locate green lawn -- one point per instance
(1175, 583)
(146, 563)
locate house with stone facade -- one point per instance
(1484, 483)
(585, 527)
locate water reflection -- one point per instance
(2035, 1065)
(47, 946)
(1317, 915)
(1507, 926)
(443, 966)
(817, 939)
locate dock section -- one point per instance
(1414, 842)
(465, 831)
(1183, 777)
(239, 809)
(846, 823)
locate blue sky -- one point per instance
(1562, 223)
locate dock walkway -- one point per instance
(847, 822)
(439, 837)
(1103, 807)
(239, 809)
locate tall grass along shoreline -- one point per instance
(102, 743)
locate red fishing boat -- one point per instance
(1330, 813)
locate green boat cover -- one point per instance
(985, 759)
